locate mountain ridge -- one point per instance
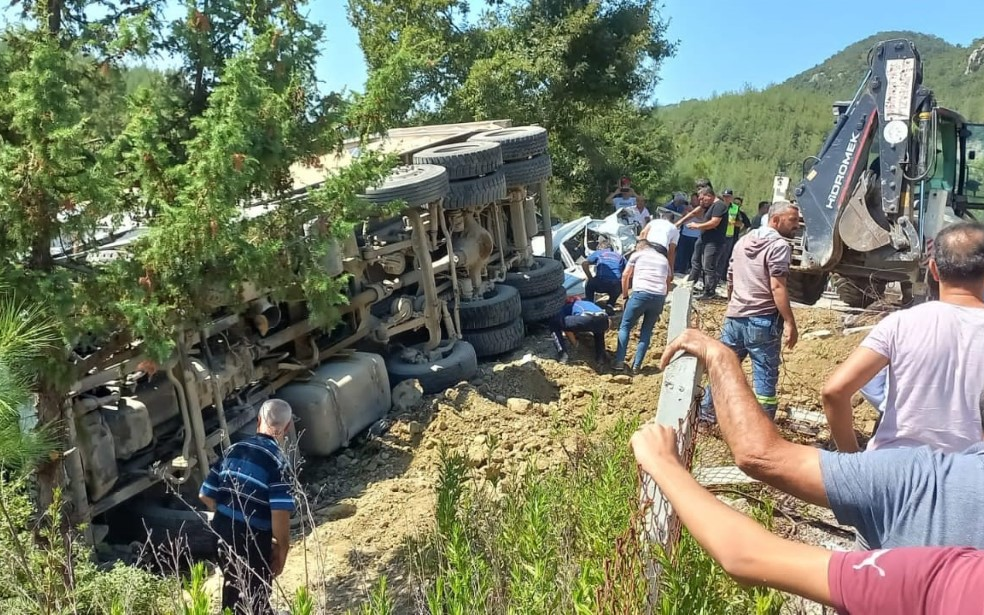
(741, 139)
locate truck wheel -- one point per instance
(858, 292)
(463, 160)
(476, 192)
(417, 185)
(458, 363)
(525, 172)
(546, 275)
(502, 305)
(518, 143)
(805, 288)
(187, 529)
(543, 307)
(496, 341)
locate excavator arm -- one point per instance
(847, 202)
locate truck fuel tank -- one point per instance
(344, 396)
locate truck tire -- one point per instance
(189, 529)
(417, 185)
(518, 143)
(463, 160)
(546, 275)
(544, 307)
(805, 288)
(476, 192)
(496, 341)
(458, 363)
(502, 305)
(525, 172)
(858, 292)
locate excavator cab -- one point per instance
(970, 187)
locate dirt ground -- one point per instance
(367, 500)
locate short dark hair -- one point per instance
(764, 205)
(959, 252)
(705, 191)
(703, 182)
(740, 200)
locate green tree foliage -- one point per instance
(742, 139)
(87, 146)
(579, 68)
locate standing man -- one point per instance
(650, 275)
(934, 356)
(707, 251)
(688, 237)
(249, 490)
(763, 211)
(578, 315)
(607, 277)
(738, 223)
(758, 305)
(623, 196)
(662, 232)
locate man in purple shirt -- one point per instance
(758, 304)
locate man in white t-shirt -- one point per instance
(638, 215)
(934, 356)
(662, 232)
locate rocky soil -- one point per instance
(366, 501)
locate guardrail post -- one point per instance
(677, 407)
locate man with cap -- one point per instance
(607, 276)
(579, 316)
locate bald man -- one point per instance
(250, 492)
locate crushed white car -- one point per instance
(574, 241)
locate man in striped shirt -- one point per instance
(249, 490)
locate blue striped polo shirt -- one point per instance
(252, 479)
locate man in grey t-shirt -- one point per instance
(894, 498)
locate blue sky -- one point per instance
(724, 45)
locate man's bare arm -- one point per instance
(281, 537)
(706, 226)
(207, 501)
(690, 214)
(861, 366)
(586, 267)
(759, 449)
(747, 551)
(626, 278)
(780, 294)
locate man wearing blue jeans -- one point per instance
(650, 274)
(758, 305)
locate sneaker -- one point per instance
(564, 358)
(618, 368)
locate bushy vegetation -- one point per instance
(741, 139)
(565, 540)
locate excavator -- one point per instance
(894, 171)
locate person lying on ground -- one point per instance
(934, 356)
(913, 580)
(894, 497)
(580, 316)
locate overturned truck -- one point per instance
(448, 280)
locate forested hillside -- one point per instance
(741, 139)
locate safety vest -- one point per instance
(733, 210)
